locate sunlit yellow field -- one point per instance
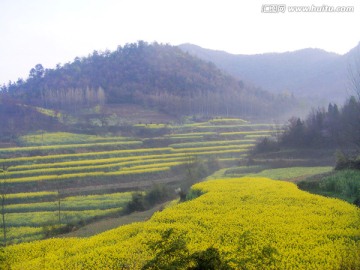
(255, 223)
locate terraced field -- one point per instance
(54, 179)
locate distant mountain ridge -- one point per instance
(312, 73)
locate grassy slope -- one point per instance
(292, 174)
(344, 184)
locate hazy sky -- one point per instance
(56, 31)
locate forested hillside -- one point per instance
(151, 75)
(331, 128)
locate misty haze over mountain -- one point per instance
(310, 73)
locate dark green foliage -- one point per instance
(357, 201)
(196, 170)
(252, 255)
(308, 185)
(171, 253)
(3, 262)
(266, 145)
(345, 162)
(193, 194)
(341, 160)
(295, 134)
(346, 183)
(142, 201)
(268, 255)
(158, 194)
(49, 231)
(137, 203)
(348, 164)
(208, 259)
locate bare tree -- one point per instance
(59, 197)
(354, 75)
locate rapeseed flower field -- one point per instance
(254, 223)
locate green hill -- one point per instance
(156, 76)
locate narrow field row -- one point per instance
(219, 128)
(227, 120)
(18, 150)
(256, 136)
(184, 137)
(24, 234)
(212, 148)
(43, 218)
(190, 134)
(66, 138)
(74, 203)
(156, 165)
(92, 162)
(93, 168)
(210, 143)
(97, 174)
(67, 157)
(257, 132)
(209, 127)
(153, 126)
(209, 124)
(29, 197)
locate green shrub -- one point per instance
(266, 145)
(344, 162)
(357, 201)
(209, 259)
(193, 194)
(157, 194)
(137, 203)
(344, 184)
(170, 251)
